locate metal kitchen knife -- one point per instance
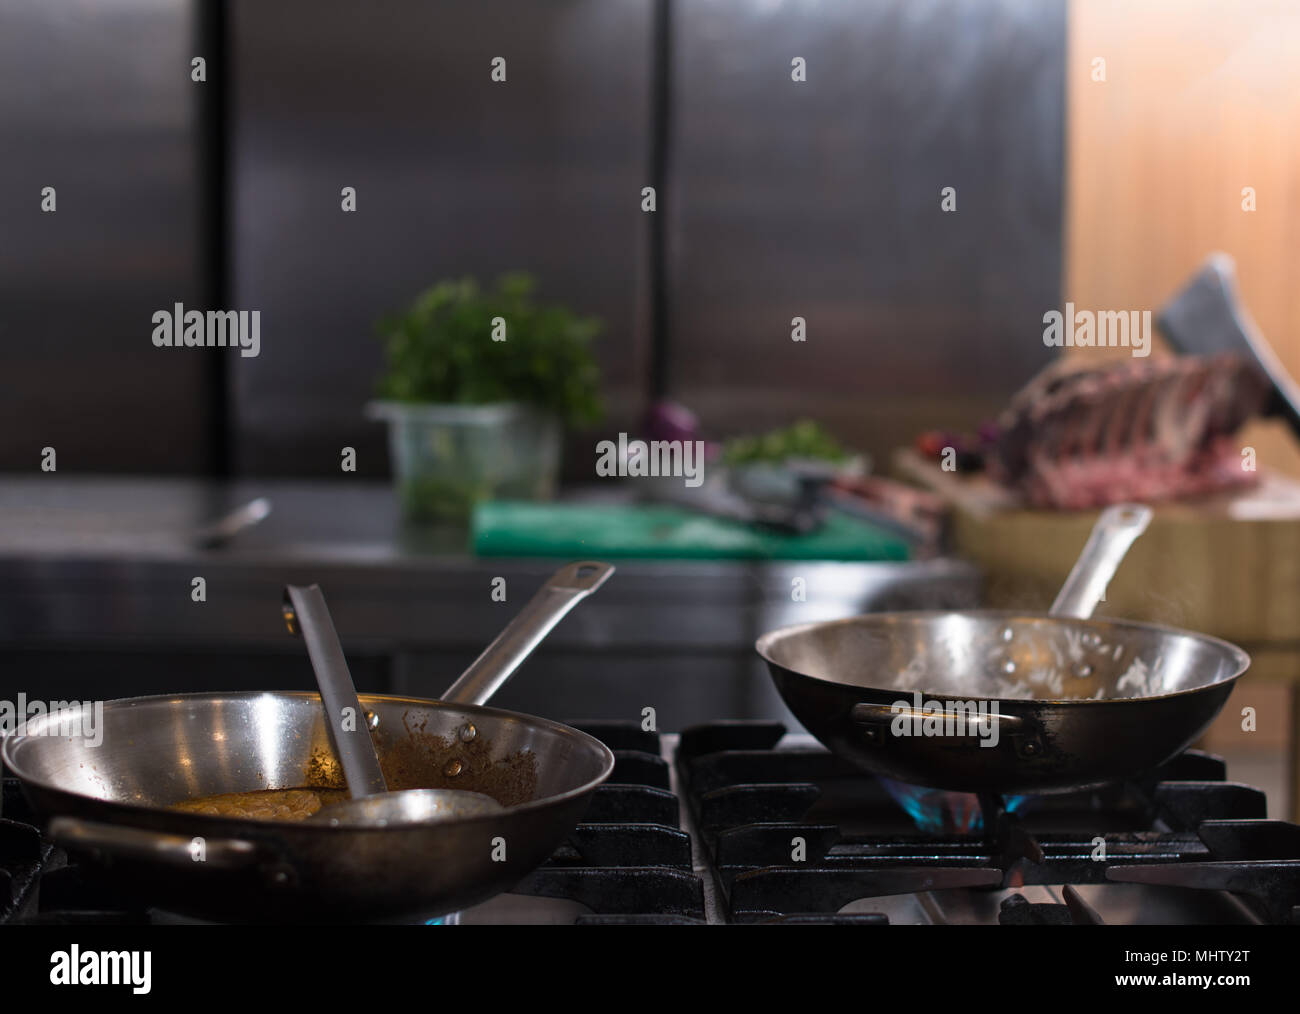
(1208, 318)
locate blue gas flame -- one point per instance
(937, 811)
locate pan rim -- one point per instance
(10, 742)
(1239, 656)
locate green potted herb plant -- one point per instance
(477, 386)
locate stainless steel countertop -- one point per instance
(111, 561)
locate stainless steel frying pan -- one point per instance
(111, 801)
(1059, 701)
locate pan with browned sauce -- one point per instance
(415, 760)
(116, 806)
(264, 804)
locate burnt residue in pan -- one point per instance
(419, 759)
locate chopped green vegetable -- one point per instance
(804, 439)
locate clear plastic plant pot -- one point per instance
(447, 458)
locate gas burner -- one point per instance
(791, 831)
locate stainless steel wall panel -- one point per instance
(96, 101)
(821, 199)
(455, 175)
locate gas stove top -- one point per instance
(737, 822)
(791, 832)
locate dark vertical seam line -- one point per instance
(212, 179)
(660, 132)
(1063, 166)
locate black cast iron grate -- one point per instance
(799, 833)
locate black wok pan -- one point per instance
(1059, 701)
(111, 801)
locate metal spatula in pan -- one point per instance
(306, 614)
(372, 803)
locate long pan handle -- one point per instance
(119, 841)
(305, 613)
(1111, 537)
(565, 589)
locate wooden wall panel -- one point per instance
(1201, 99)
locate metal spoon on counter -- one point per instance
(223, 529)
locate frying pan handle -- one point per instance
(116, 840)
(1022, 735)
(565, 589)
(1114, 532)
(878, 714)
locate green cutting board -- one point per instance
(652, 531)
